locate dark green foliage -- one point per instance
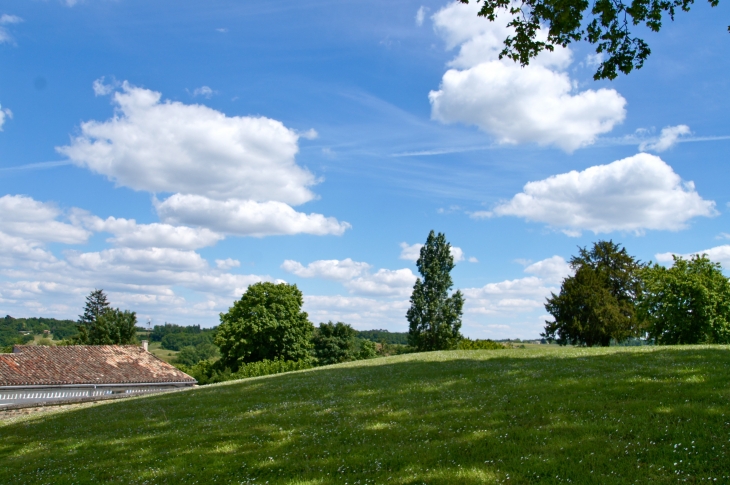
(607, 25)
(176, 341)
(435, 317)
(368, 350)
(266, 323)
(192, 355)
(386, 349)
(688, 303)
(159, 332)
(334, 343)
(96, 304)
(207, 372)
(469, 344)
(111, 327)
(597, 303)
(383, 336)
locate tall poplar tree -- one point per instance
(435, 317)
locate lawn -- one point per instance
(156, 349)
(541, 415)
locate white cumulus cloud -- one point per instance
(521, 295)
(534, 104)
(551, 270)
(147, 259)
(228, 175)
(37, 221)
(227, 263)
(361, 312)
(667, 138)
(634, 194)
(331, 269)
(169, 146)
(356, 276)
(16, 251)
(128, 233)
(384, 282)
(245, 217)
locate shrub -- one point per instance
(468, 344)
(190, 355)
(176, 341)
(334, 343)
(368, 350)
(207, 372)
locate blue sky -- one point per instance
(172, 153)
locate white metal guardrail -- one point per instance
(41, 395)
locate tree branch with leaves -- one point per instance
(607, 24)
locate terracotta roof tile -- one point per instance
(85, 364)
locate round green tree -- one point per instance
(435, 317)
(334, 343)
(688, 303)
(266, 323)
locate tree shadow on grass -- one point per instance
(580, 416)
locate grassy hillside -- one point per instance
(617, 415)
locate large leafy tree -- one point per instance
(435, 316)
(605, 23)
(112, 327)
(266, 323)
(334, 343)
(688, 303)
(597, 303)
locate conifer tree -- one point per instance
(435, 317)
(96, 304)
(598, 302)
(102, 325)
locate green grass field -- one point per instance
(545, 415)
(156, 349)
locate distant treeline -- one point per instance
(383, 336)
(22, 330)
(175, 337)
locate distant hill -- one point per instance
(19, 330)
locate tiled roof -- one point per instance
(85, 364)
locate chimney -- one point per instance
(144, 345)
